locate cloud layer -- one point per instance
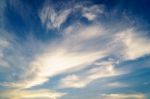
(85, 50)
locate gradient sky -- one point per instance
(74, 49)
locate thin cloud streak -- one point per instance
(30, 94)
(53, 19)
(74, 81)
(123, 96)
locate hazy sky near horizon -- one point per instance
(74, 49)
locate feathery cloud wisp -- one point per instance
(123, 96)
(30, 94)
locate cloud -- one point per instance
(73, 81)
(15, 57)
(77, 49)
(32, 63)
(4, 43)
(131, 46)
(30, 94)
(135, 45)
(102, 71)
(117, 85)
(123, 96)
(58, 59)
(84, 32)
(92, 12)
(52, 18)
(50, 65)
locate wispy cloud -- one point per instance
(91, 13)
(30, 94)
(52, 18)
(98, 72)
(135, 45)
(91, 47)
(48, 66)
(3, 44)
(77, 49)
(117, 85)
(123, 96)
(58, 59)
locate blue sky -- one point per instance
(74, 49)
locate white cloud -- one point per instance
(103, 71)
(15, 57)
(80, 35)
(131, 46)
(81, 45)
(75, 50)
(123, 96)
(3, 45)
(117, 85)
(135, 45)
(91, 13)
(58, 59)
(52, 18)
(31, 94)
(90, 16)
(51, 64)
(73, 81)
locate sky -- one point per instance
(74, 49)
